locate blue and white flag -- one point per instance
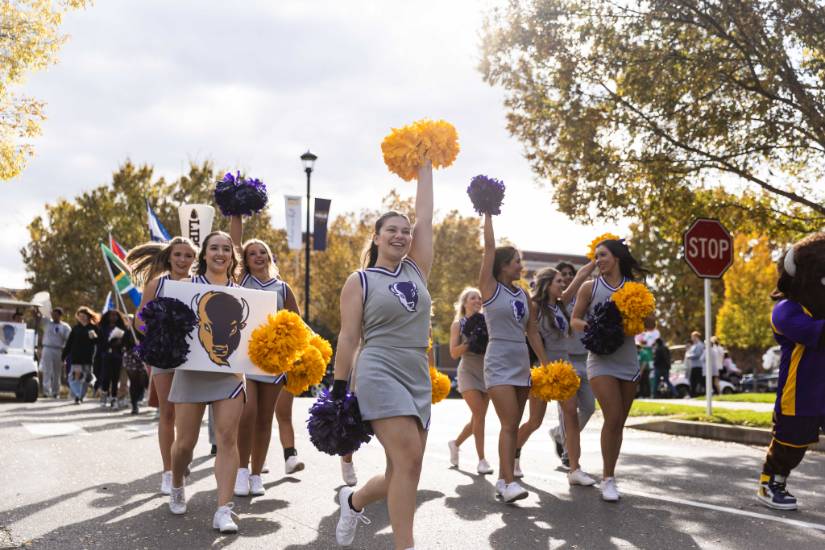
(157, 232)
(110, 303)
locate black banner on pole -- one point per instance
(319, 240)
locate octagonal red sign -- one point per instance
(708, 248)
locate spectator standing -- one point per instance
(80, 350)
(55, 334)
(661, 366)
(109, 357)
(717, 355)
(694, 357)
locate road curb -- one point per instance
(719, 432)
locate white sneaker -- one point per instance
(484, 467)
(578, 477)
(265, 469)
(453, 453)
(222, 520)
(500, 485)
(517, 473)
(242, 483)
(177, 501)
(348, 520)
(256, 486)
(166, 482)
(610, 491)
(348, 473)
(293, 465)
(513, 492)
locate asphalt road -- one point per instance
(80, 477)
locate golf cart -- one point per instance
(18, 367)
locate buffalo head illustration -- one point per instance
(519, 310)
(221, 317)
(407, 294)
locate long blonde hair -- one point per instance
(273, 271)
(541, 297)
(149, 260)
(461, 304)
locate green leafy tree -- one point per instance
(63, 256)
(30, 38)
(616, 102)
(744, 321)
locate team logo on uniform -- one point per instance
(407, 294)
(221, 317)
(519, 310)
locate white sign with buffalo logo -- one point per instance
(226, 318)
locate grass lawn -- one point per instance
(690, 412)
(743, 397)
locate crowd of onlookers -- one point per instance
(97, 353)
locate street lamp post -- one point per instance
(308, 159)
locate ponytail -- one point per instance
(369, 257)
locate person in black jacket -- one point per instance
(80, 351)
(661, 366)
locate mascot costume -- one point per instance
(798, 320)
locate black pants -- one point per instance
(112, 364)
(138, 381)
(697, 380)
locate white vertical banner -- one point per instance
(293, 221)
(196, 221)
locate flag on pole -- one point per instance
(119, 251)
(157, 232)
(109, 304)
(120, 275)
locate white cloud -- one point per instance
(251, 85)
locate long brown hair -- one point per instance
(504, 255)
(541, 297)
(149, 260)
(370, 255)
(231, 271)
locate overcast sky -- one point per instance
(251, 85)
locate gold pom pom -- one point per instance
(556, 381)
(307, 371)
(600, 239)
(635, 302)
(276, 344)
(441, 385)
(405, 149)
(323, 346)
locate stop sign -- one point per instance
(708, 248)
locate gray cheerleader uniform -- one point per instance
(470, 372)
(507, 361)
(554, 333)
(575, 348)
(190, 386)
(622, 363)
(392, 377)
(279, 287)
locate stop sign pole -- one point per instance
(708, 249)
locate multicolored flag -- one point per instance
(157, 232)
(119, 274)
(119, 251)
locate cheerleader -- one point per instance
(154, 264)
(613, 377)
(388, 304)
(585, 401)
(509, 315)
(264, 395)
(470, 377)
(551, 299)
(191, 391)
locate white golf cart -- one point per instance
(18, 367)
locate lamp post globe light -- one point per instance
(308, 159)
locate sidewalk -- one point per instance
(758, 407)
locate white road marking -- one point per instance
(142, 429)
(54, 429)
(686, 502)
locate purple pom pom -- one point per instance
(605, 333)
(237, 196)
(168, 324)
(486, 194)
(475, 330)
(335, 425)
